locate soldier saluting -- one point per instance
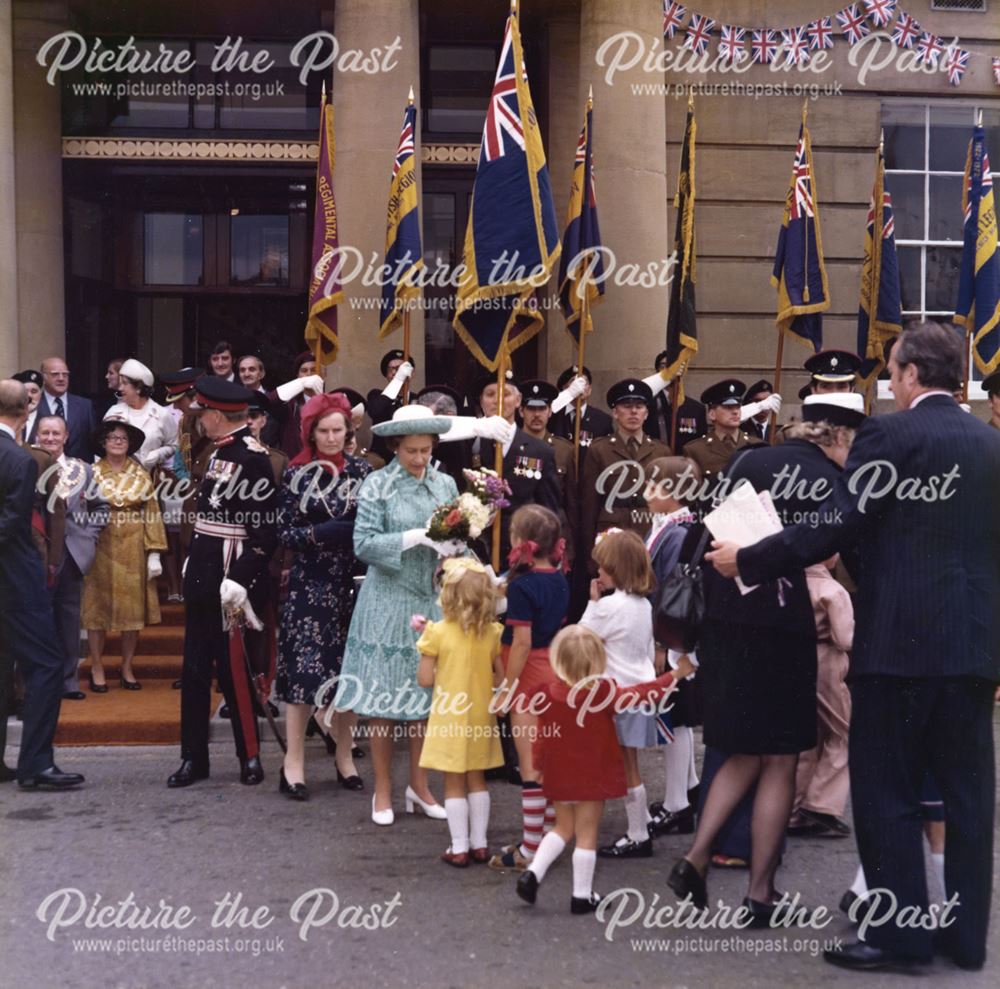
(713, 451)
(226, 578)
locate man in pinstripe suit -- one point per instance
(918, 500)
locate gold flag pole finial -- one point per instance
(590, 97)
(979, 122)
(805, 110)
(513, 8)
(409, 99)
(690, 100)
(881, 142)
(322, 92)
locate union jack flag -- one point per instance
(956, 65)
(802, 200)
(405, 148)
(929, 47)
(673, 18)
(906, 31)
(764, 45)
(699, 33)
(853, 23)
(881, 11)
(502, 116)
(796, 46)
(731, 46)
(888, 224)
(821, 33)
(996, 71)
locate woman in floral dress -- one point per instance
(317, 504)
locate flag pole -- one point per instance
(805, 233)
(498, 459)
(582, 333)
(406, 311)
(877, 222)
(675, 394)
(967, 338)
(318, 350)
(773, 423)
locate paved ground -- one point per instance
(125, 833)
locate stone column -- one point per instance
(630, 165)
(41, 314)
(368, 114)
(9, 349)
(565, 118)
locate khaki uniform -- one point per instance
(712, 452)
(628, 510)
(567, 478)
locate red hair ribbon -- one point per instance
(523, 552)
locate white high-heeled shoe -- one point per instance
(434, 811)
(382, 817)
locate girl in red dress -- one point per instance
(579, 757)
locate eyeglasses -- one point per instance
(116, 438)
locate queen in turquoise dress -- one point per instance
(378, 678)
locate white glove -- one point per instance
(494, 428)
(674, 657)
(232, 595)
(461, 428)
(770, 404)
(965, 407)
(357, 411)
(153, 566)
(656, 383)
(403, 372)
(295, 387)
(569, 394)
(450, 547)
(417, 537)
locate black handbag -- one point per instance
(680, 603)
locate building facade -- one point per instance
(161, 202)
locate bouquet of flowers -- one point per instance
(466, 518)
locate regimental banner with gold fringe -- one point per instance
(682, 328)
(403, 257)
(880, 310)
(799, 272)
(512, 240)
(325, 291)
(581, 243)
(978, 308)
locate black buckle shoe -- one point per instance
(580, 904)
(527, 886)
(670, 821)
(626, 848)
(295, 791)
(685, 879)
(52, 778)
(251, 772)
(187, 774)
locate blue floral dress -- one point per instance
(379, 675)
(316, 519)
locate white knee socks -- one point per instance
(479, 818)
(681, 775)
(457, 809)
(636, 812)
(549, 850)
(584, 861)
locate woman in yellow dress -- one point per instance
(119, 592)
(460, 657)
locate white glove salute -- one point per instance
(570, 393)
(469, 427)
(232, 595)
(153, 566)
(656, 383)
(403, 372)
(770, 404)
(313, 383)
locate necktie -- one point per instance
(60, 410)
(633, 447)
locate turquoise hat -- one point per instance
(413, 420)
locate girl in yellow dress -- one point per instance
(460, 659)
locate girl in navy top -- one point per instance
(537, 601)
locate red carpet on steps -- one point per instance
(150, 716)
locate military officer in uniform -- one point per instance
(536, 411)
(381, 404)
(991, 385)
(712, 452)
(833, 370)
(759, 424)
(691, 422)
(529, 465)
(614, 474)
(593, 422)
(226, 573)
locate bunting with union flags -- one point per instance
(512, 240)
(799, 272)
(325, 291)
(978, 308)
(682, 328)
(581, 267)
(880, 311)
(403, 257)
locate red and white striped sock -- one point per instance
(550, 817)
(533, 811)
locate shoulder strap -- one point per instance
(699, 550)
